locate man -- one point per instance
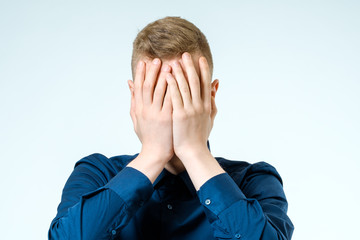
(174, 188)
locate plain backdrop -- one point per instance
(289, 95)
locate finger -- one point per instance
(176, 99)
(160, 87)
(182, 83)
(150, 80)
(193, 78)
(205, 78)
(139, 81)
(167, 106)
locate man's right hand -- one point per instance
(151, 112)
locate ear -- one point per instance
(132, 106)
(214, 87)
(131, 86)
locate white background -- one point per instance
(288, 95)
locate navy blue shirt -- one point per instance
(105, 199)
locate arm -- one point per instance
(232, 214)
(94, 207)
(255, 209)
(88, 187)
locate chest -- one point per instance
(169, 217)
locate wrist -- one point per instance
(201, 166)
(155, 156)
(193, 153)
(150, 165)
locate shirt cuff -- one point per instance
(219, 193)
(132, 186)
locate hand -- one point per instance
(151, 110)
(194, 107)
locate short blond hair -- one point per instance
(170, 37)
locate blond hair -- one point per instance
(170, 37)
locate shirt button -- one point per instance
(237, 236)
(207, 201)
(113, 232)
(169, 206)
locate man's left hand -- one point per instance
(194, 108)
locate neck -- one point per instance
(175, 166)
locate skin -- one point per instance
(173, 111)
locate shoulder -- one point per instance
(100, 162)
(242, 171)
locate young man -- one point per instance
(174, 188)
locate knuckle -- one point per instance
(197, 84)
(199, 107)
(191, 112)
(184, 89)
(207, 108)
(145, 114)
(180, 115)
(140, 113)
(147, 86)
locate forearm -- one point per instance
(227, 207)
(234, 215)
(200, 165)
(91, 211)
(93, 217)
(150, 164)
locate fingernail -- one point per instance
(186, 55)
(156, 61)
(203, 59)
(175, 63)
(166, 68)
(140, 63)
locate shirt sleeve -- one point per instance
(92, 209)
(255, 210)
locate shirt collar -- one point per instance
(160, 177)
(184, 176)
